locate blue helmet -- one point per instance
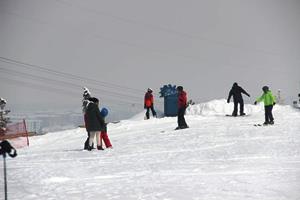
(104, 112)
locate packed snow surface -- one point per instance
(217, 158)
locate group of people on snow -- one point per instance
(267, 97)
(182, 105)
(236, 92)
(97, 127)
(94, 122)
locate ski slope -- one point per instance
(217, 158)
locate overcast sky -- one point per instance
(128, 46)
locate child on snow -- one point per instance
(269, 101)
(103, 135)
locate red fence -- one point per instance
(17, 134)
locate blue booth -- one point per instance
(170, 95)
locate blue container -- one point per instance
(170, 95)
(170, 105)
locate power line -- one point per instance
(68, 92)
(74, 77)
(63, 74)
(61, 83)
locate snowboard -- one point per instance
(227, 115)
(263, 124)
(178, 128)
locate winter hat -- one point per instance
(179, 88)
(149, 90)
(104, 112)
(86, 93)
(235, 84)
(265, 88)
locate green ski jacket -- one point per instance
(268, 98)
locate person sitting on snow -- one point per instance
(269, 102)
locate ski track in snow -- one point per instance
(218, 157)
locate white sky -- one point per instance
(203, 45)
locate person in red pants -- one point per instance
(103, 135)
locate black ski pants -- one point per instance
(268, 113)
(148, 112)
(181, 120)
(235, 109)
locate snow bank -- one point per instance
(221, 107)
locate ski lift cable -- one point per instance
(60, 73)
(59, 90)
(61, 83)
(63, 74)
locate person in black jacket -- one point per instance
(94, 122)
(236, 91)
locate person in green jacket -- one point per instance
(269, 101)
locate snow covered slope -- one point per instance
(218, 157)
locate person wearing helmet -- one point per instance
(237, 91)
(103, 135)
(149, 103)
(269, 101)
(182, 105)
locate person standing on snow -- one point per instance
(182, 105)
(149, 103)
(103, 135)
(269, 102)
(95, 122)
(236, 91)
(85, 102)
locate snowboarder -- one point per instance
(103, 135)
(269, 102)
(182, 105)
(236, 91)
(94, 121)
(149, 103)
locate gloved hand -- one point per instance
(274, 103)
(255, 102)
(248, 95)
(145, 106)
(228, 101)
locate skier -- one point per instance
(94, 121)
(182, 105)
(269, 102)
(103, 135)
(149, 103)
(236, 91)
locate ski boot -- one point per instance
(100, 148)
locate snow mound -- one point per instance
(221, 107)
